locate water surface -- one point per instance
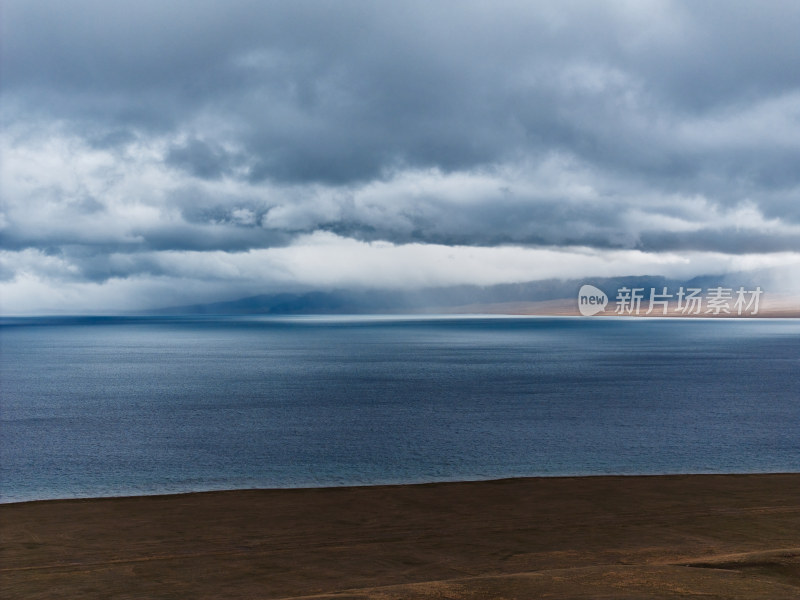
(117, 406)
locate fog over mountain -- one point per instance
(162, 154)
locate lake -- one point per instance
(107, 406)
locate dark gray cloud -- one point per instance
(201, 159)
(346, 91)
(205, 126)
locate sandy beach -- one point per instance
(688, 536)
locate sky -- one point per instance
(161, 153)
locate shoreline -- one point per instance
(621, 536)
(170, 494)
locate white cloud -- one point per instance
(327, 261)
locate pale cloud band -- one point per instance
(48, 284)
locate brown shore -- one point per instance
(774, 307)
(686, 536)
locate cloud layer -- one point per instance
(201, 150)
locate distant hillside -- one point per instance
(378, 301)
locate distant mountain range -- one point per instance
(445, 299)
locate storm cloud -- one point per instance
(174, 146)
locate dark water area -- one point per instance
(118, 406)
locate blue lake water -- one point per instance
(118, 406)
